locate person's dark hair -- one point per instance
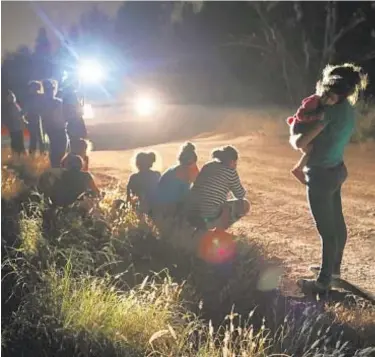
(187, 155)
(74, 162)
(35, 86)
(346, 80)
(145, 160)
(50, 87)
(226, 154)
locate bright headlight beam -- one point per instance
(88, 112)
(145, 106)
(90, 72)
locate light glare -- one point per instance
(88, 112)
(90, 72)
(145, 106)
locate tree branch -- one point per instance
(367, 57)
(344, 30)
(246, 42)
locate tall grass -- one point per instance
(85, 284)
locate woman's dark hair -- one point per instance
(226, 154)
(346, 80)
(50, 87)
(145, 160)
(187, 154)
(74, 162)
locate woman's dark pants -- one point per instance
(16, 142)
(36, 137)
(58, 147)
(324, 195)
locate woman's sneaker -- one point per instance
(312, 287)
(316, 270)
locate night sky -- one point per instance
(20, 20)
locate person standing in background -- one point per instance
(54, 122)
(73, 114)
(33, 109)
(15, 122)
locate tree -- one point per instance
(296, 40)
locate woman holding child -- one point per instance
(323, 141)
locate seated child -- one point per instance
(141, 188)
(68, 184)
(81, 148)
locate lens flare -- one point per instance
(217, 247)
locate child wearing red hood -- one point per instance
(311, 111)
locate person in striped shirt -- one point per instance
(207, 204)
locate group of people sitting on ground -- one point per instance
(181, 191)
(44, 115)
(199, 196)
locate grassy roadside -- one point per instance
(110, 284)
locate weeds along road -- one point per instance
(279, 218)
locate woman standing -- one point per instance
(15, 123)
(33, 110)
(54, 123)
(325, 170)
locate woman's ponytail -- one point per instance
(188, 155)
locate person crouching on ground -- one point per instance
(79, 147)
(68, 184)
(175, 183)
(142, 186)
(207, 204)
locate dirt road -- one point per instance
(279, 217)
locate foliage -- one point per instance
(84, 285)
(269, 52)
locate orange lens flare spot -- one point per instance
(217, 247)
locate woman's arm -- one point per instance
(236, 187)
(301, 140)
